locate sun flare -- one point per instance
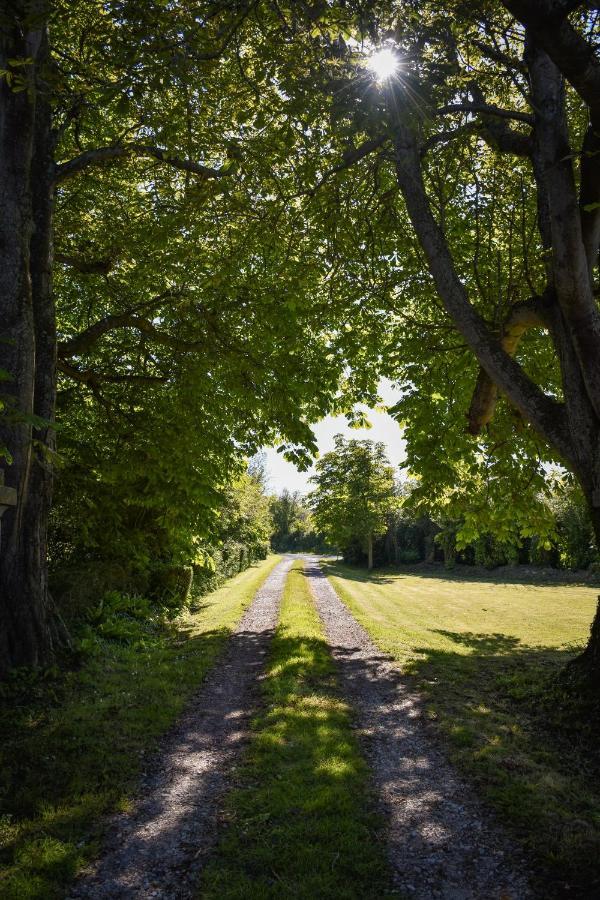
(383, 63)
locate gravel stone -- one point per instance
(442, 843)
(158, 849)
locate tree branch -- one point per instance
(546, 21)
(93, 379)
(497, 55)
(85, 266)
(497, 133)
(444, 137)
(84, 341)
(486, 109)
(523, 316)
(102, 155)
(544, 413)
(349, 158)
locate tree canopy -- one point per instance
(250, 226)
(354, 493)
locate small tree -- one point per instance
(354, 493)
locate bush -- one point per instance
(214, 565)
(77, 588)
(576, 544)
(172, 584)
(447, 541)
(408, 556)
(491, 553)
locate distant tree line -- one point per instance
(413, 538)
(374, 519)
(294, 528)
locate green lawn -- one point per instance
(73, 746)
(300, 819)
(486, 655)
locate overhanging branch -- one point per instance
(523, 316)
(495, 130)
(85, 266)
(575, 58)
(542, 411)
(83, 342)
(349, 158)
(487, 109)
(102, 155)
(94, 379)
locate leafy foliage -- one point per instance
(293, 526)
(354, 492)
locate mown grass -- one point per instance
(300, 821)
(487, 656)
(73, 746)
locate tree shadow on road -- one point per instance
(74, 747)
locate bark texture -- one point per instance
(28, 629)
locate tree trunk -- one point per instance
(585, 668)
(28, 629)
(370, 551)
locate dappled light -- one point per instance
(239, 232)
(496, 699)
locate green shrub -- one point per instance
(447, 541)
(214, 565)
(408, 556)
(78, 588)
(172, 584)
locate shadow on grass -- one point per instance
(531, 749)
(484, 644)
(531, 746)
(75, 751)
(462, 574)
(301, 821)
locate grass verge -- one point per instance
(74, 745)
(300, 821)
(486, 656)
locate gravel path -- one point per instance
(158, 849)
(442, 844)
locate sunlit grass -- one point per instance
(487, 655)
(300, 822)
(73, 754)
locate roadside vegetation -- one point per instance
(74, 742)
(487, 656)
(300, 820)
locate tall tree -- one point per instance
(121, 144)
(458, 194)
(354, 494)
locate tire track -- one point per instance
(159, 848)
(442, 843)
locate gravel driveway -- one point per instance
(158, 849)
(442, 843)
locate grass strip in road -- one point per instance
(486, 654)
(300, 822)
(73, 751)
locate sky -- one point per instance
(283, 474)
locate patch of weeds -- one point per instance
(300, 820)
(74, 742)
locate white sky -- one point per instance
(283, 474)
